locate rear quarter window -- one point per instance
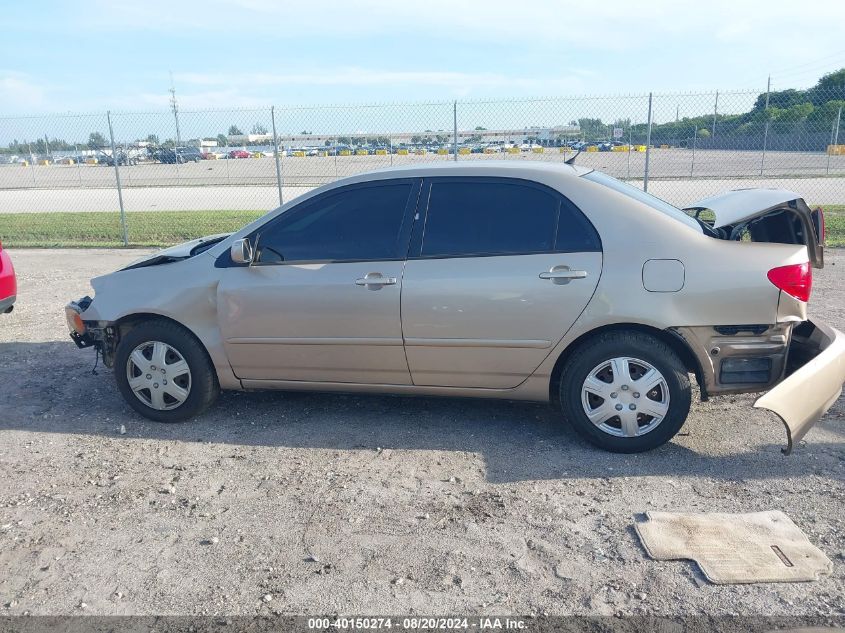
(641, 196)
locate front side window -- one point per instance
(359, 223)
(467, 218)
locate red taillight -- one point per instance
(795, 280)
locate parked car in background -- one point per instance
(177, 155)
(239, 153)
(8, 282)
(122, 159)
(492, 279)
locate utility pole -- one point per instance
(276, 154)
(647, 145)
(715, 111)
(834, 137)
(117, 180)
(766, 128)
(455, 128)
(174, 105)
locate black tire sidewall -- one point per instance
(634, 345)
(203, 379)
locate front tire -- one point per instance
(164, 373)
(626, 392)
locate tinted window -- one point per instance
(574, 232)
(488, 218)
(502, 218)
(641, 196)
(362, 223)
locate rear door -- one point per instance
(499, 269)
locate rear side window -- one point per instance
(500, 217)
(360, 223)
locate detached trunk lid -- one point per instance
(768, 215)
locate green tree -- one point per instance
(152, 139)
(258, 129)
(592, 129)
(780, 99)
(830, 87)
(234, 130)
(96, 140)
(222, 141)
(826, 113)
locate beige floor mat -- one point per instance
(735, 548)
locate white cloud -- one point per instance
(229, 98)
(454, 84)
(610, 24)
(20, 93)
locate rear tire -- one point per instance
(625, 392)
(164, 373)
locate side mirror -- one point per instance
(241, 251)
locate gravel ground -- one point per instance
(311, 503)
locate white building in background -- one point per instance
(486, 136)
(249, 139)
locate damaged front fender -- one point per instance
(815, 373)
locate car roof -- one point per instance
(492, 168)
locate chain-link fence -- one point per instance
(149, 178)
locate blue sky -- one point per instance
(96, 55)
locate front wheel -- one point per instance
(626, 392)
(164, 373)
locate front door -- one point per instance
(321, 300)
(500, 272)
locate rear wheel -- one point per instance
(163, 372)
(625, 392)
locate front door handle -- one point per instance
(563, 274)
(375, 281)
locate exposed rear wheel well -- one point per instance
(674, 341)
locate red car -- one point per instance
(239, 153)
(8, 284)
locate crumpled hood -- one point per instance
(174, 253)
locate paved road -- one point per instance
(215, 197)
(310, 170)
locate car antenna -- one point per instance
(571, 161)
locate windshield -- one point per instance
(642, 196)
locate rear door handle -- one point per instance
(374, 281)
(563, 274)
